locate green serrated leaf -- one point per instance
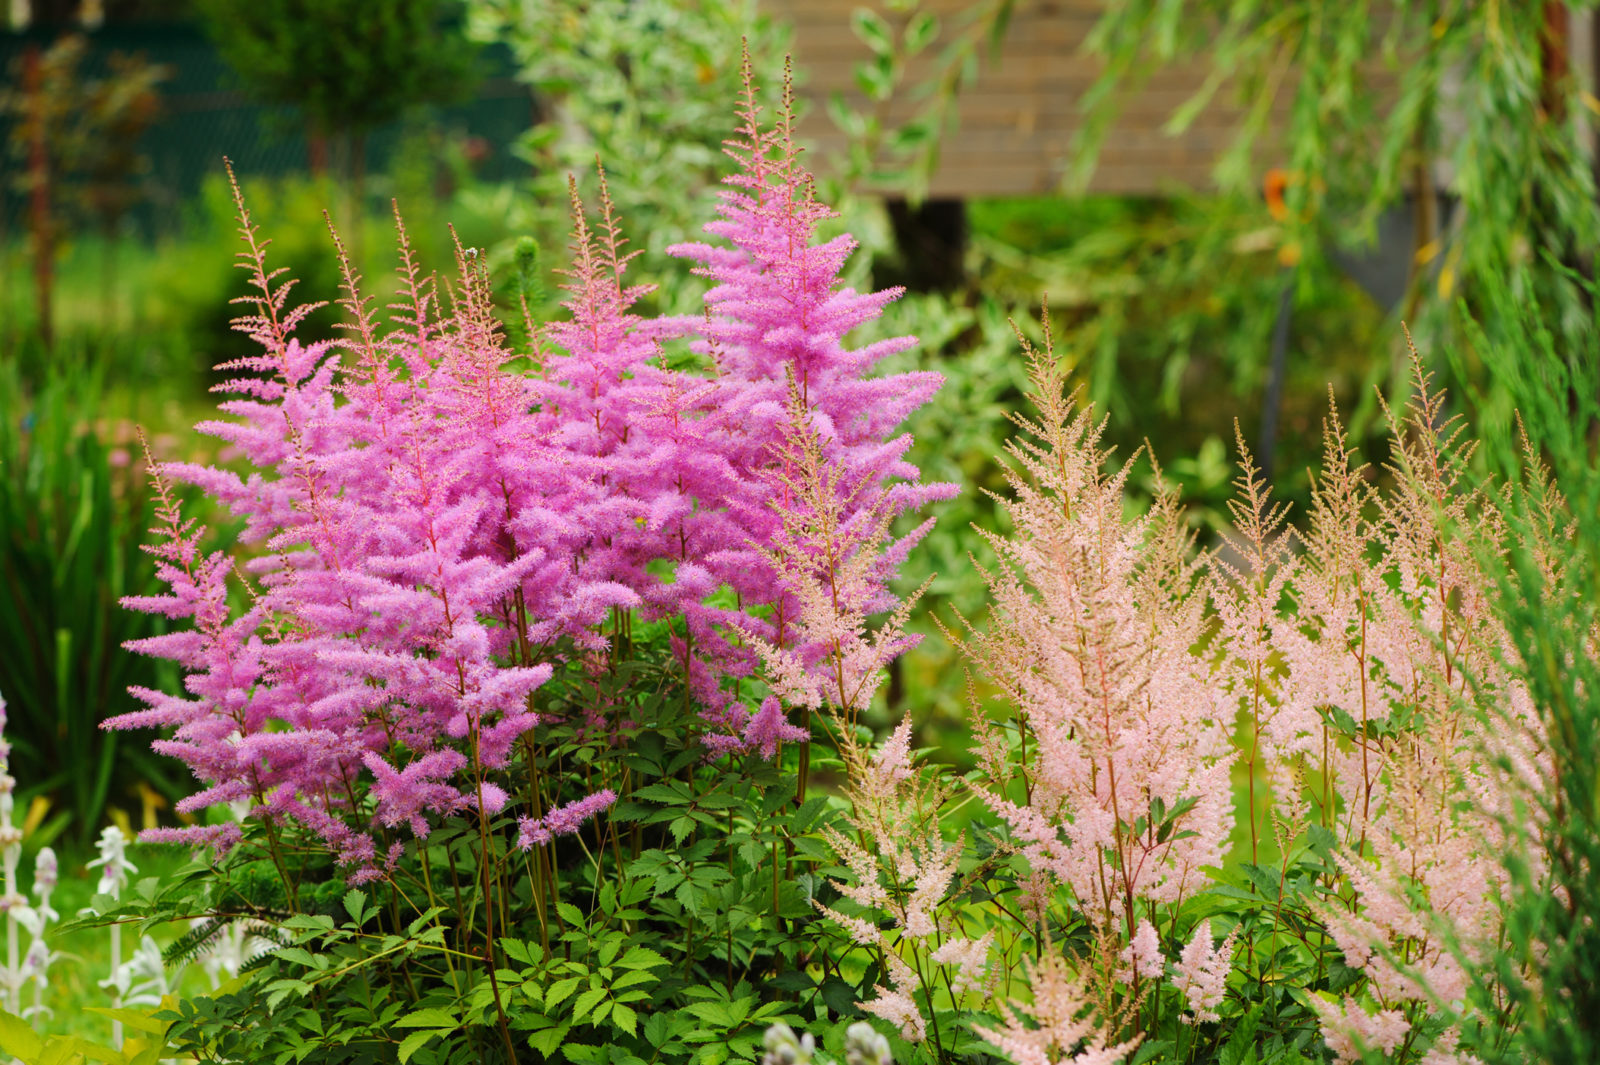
(1265, 880)
(808, 812)
(558, 991)
(840, 997)
(414, 1042)
(586, 1002)
(301, 956)
(517, 950)
(630, 979)
(675, 793)
(549, 1040)
(640, 958)
(429, 1017)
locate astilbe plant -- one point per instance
(436, 645)
(1112, 785)
(1325, 686)
(431, 522)
(1362, 702)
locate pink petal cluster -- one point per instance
(563, 820)
(432, 526)
(774, 329)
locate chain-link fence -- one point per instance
(205, 116)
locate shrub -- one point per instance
(1335, 673)
(492, 665)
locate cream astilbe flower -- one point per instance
(1095, 621)
(902, 872)
(1202, 973)
(900, 863)
(1348, 1029)
(1066, 1030)
(831, 553)
(1394, 641)
(970, 959)
(1326, 653)
(896, 1005)
(1142, 956)
(1245, 594)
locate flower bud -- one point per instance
(863, 1045)
(785, 1048)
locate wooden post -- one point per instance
(1555, 62)
(316, 150)
(39, 191)
(931, 239)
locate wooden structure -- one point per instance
(1018, 121)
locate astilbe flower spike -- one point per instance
(1424, 840)
(1369, 679)
(1092, 641)
(563, 820)
(1066, 1030)
(1202, 972)
(776, 319)
(1373, 692)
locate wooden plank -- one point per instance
(1017, 123)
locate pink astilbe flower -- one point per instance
(405, 795)
(597, 402)
(902, 869)
(768, 728)
(563, 820)
(373, 641)
(775, 324)
(433, 527)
